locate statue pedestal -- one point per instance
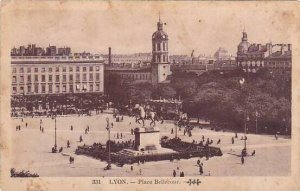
(147, 138)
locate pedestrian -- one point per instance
(40, 127)
(131, 168)
(242, 159)
(182, 174)
(68, 144)
(174, 173)
(71, 127)
(201, 169)
(198, 162)
(43, 130)
(17, 128)
(172, 131)
(236, 136)
(71, 160)
(253, 153)
(26, 124)
(276, 137)
(80, 139)
(121, 135)
(232, 140)
(117, 135)
(219, 141)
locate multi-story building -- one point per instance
(49, 75)
(133, 60)
(160, 55)
(252, 57)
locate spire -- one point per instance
(159, 16)
(159, 23)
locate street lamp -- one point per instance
(55, 145)
(242, 81)
(108, 127)
(256, 115)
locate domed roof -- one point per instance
(160, 35)
(243, 46)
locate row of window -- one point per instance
(57, 69)
(270, 64)
(56, 88)
(278, 63)
(159, 58)
(157, 46)
(251, 64)
(57, 78)
(137, 76)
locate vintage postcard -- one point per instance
(149, 95)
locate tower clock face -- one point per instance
(163, 36)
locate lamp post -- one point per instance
(177, 110)
(242, 81)
(55, 145)
(256, 115)
(108, 127)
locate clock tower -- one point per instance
(160, 56)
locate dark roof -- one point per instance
(279, 54)
(159, 35)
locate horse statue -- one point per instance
(142, 114)
(147, 114)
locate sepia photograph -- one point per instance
(175, 91)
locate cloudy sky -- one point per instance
(127, 27)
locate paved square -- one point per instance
(32, 150)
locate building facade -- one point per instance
(160, 55)
(50, 75)
(252, 57)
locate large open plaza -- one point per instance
(32, 150)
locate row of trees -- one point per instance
(265, 97)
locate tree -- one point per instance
(164, 91)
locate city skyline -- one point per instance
(91, 31)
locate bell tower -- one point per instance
(160, 55)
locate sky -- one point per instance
(128, 27)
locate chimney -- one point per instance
(269, 48)
(289, 47)
(109, 55)
(259, 47)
